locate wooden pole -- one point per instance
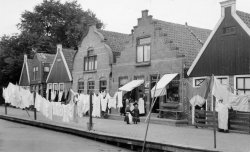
(5, 105)
(149, 115)
(90, 111)
(214, 114)
(34, 105)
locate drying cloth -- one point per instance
(119, 99)
(141, 106)
(222, 116)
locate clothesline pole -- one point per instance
(214, 115)
(90, 125)
(5, 105)
(34, 104)
(149, 115)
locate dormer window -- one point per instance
(90, 61)
(35, 73)
(143, 50)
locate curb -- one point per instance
(133, 144)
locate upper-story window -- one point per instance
(90, 61)
(80, 86)
(46, 69)
(35, 73)
(229, 30)
(143, 50)
(122, 81)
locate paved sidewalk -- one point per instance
(182, 136)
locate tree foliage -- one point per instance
(50, 23)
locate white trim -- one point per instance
(194, 78)
(239, 76)
(51, 67)
(27, 70)
(21, 73)
(242, 24)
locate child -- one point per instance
(128, 116)
(136, 113)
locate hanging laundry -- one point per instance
(202, 90)
(104, 102)
(60, 94)
(86, 104)
(112, 101)
(222, 110)
(119, 99)
(141, 106)
(80, 105)
(96, 106)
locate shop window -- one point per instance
(143, 50)
(122, 81)
(80, 86)
(103, 85)
(173, 91)
(35, 73)
(90, 61)
(91, 86)
(243, 85)
(61, 87)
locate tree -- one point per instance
(52, 22)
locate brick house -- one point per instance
(35, 71)
(226, 52)
(155, 48)
(94, 60)
(60, 77)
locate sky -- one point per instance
(121, 15)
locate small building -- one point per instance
(94, 60)
(35, 71)
(156, 48)
(226, 53)
(59, 77)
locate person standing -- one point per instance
(136, 113)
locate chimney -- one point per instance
(226, 4)
(59, 47)
(144, 13)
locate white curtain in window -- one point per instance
(240, 83)
(86, 63)
(140, 54)
(147, 53)
(247, 83)
(95, 63)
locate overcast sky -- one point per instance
(121, 15)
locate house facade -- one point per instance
(94, 60)
(226, 52)
(156, 48)
(35, 71)
(60, 77)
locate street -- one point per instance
(15, 137)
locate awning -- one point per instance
(161, 85)
(131, 85)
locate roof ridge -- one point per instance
(192, 33)
(113, 32)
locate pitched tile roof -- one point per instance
(245, 17)
(45, 57)
(69, 57)
(115, 40)
(186, 40)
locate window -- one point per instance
(103, 85)
(143, 50)
(140, 77)
(229, 30)
(122, 81)
(223, 80)
(91, 86)
(90, 61)
(46, 69)
(80, 86)
(61, 87)
(243, 85)
(55, 87)
(35, 73)
(198, 82)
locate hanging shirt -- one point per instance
(86, 104)
(119, 99)
(60, 96)
(197, 100)
(112, 101)
(141, 106)
(104, 102)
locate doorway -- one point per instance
(153, 81)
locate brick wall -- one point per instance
(104, 54)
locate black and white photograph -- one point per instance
(125, 75)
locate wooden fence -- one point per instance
(238, 121)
